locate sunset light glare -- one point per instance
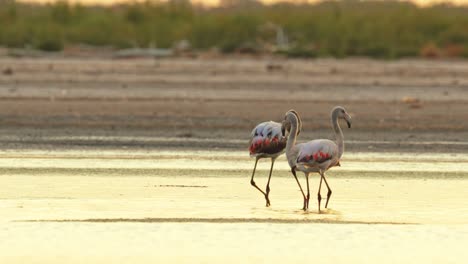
(215, 2)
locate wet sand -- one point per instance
(223, 98)
(120, 206)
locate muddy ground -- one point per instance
(407, 105)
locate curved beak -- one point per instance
(348, 119)
(283, 129)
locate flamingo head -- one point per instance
(341, 113)
(291, 117)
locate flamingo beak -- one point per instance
(348, 119)
(283, 129)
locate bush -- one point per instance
(378, 29)
(50, 45)
(299, 52)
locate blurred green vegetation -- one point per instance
(378, 29)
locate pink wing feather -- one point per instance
(318, 151)
(266, 138)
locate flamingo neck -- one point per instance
(338, 133)
(292, 139)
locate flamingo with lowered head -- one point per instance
(317, 155)
(267, 141)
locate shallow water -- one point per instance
(227, 160)
(145, 206)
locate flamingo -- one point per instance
(267, 141)
(317, 155)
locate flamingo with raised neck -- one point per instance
(317, 155)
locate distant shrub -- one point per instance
(454, 50)
(61, 12)
(50, 45)
(430, 50)
(377, 51)
(299, 52)
(377, 29)
(402, 52)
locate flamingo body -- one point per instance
(267, 141)
(316, 155)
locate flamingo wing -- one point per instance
(317, 152)
(266, 138)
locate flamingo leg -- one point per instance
(329, 191)
(268, 183)
(319, 197)
(252, 182)
(300, 187)
(308, 191)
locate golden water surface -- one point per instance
(124, 206)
